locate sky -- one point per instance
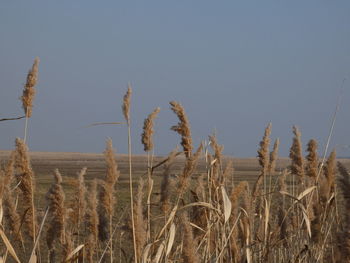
(235, 66)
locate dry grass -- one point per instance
(200, 206)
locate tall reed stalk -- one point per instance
(126, 113)
(147, 141)
(29, 94)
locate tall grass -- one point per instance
(298, 214)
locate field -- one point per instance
(69, 164)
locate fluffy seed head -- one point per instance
(263, 152)
(112, 174)
(79, 201)
(146, 138)
(182, 128)
(55, 198)
(107, 193)
(312, 159)
(296, 155)
(217, 176)
(25, 177)
(29, 90)
(273, 156)
(126, 104)
(9, 204)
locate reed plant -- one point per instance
(296, 214)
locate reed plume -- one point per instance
(182, 128)
(107, 197)
(79, 200)
(29, 90)
(25, 178)
(296, 155)
(126, 104)
(264, 159)
(312, 159)
(216, 147)
(112, 174)
(273, 157)
(107, 193)
(55, 198)
(217, 176)
(9, 203)
(263, 152)
(147, 135)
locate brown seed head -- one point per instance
(25, 178)
(107, 192)
(312, 159)
(182, 128)
(217, 176)
(274, 156)
(55, 198)
(9, 204)
(263, 152)
(112, 174)
(79, 201)
(146, 138)
(296, 155)
(29, 90)
(126, 104)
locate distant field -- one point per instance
(44, 163)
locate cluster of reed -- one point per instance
(299, 214)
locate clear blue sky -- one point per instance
(234, 65)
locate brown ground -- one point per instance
(69, 164)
